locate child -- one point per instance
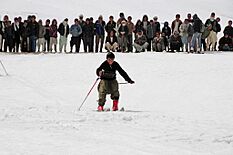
(108, 83)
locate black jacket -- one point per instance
(110, 71)
(61, 29)
(228, 30)
(88, 30)
(110, 27)
(108, 39)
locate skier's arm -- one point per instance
(124, 74)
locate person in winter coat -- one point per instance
(229, 29)
(100, 33)
(88, 32)
(176, 24)
(131, 28)
(108, 84)
(196, 39)
(9, 37)
(46, 36)
(1, 34)
(2, 31)
(150, 34)
(17, 29)
(175, 42)
(184, 34)
(138, 27)
(204, 35)
(123, 36)
(75, 31)
(225, 43)
(111, 25)
(111, 43)
(212, 38)
(166, 33)
(41, 39)
(145, 23)
(158, 43)
(33, 29)
(121, 17)
(63, 30)
(53, 36)
(156, 24)
(140, 42)
(24, 36)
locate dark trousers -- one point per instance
(87, 41)
(99, 38)
(149, 40)
(47, 42)
(203, 43)
(75, 41)
(130, 43)
(9, 42)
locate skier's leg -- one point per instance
(114, 90)
(102, 93)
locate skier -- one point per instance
(108, 83)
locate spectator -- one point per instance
(140, 42)
(131, 28)
(100, 34)
(175, 42)
(111, 42)
(123, 36)
(53, 36)
(75, 31)
(176, 24)
(88, 31)
(63, 30)
(158, 43)
(225, 43)
(229, 29)
(41, 39)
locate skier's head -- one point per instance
(110, 58)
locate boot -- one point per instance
(100, 108)
(115, 105)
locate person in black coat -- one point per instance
(111, 42)
(229, 29)
(9, 37)
(16, 28)
(225, 43)
(63, 30)
(33, 30)
(108, 84)
(166, 33)
(111, 25)
(88, 32)
(46, 36)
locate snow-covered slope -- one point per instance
(180, 105)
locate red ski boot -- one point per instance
(115, 105)
(100, 108)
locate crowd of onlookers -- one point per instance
(190, 35)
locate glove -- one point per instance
(100, 73)
(131, 82)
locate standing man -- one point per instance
(108, 83)
(63, 30)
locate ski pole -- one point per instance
(4, 68)
(88, 93)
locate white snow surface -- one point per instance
(181, 104)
